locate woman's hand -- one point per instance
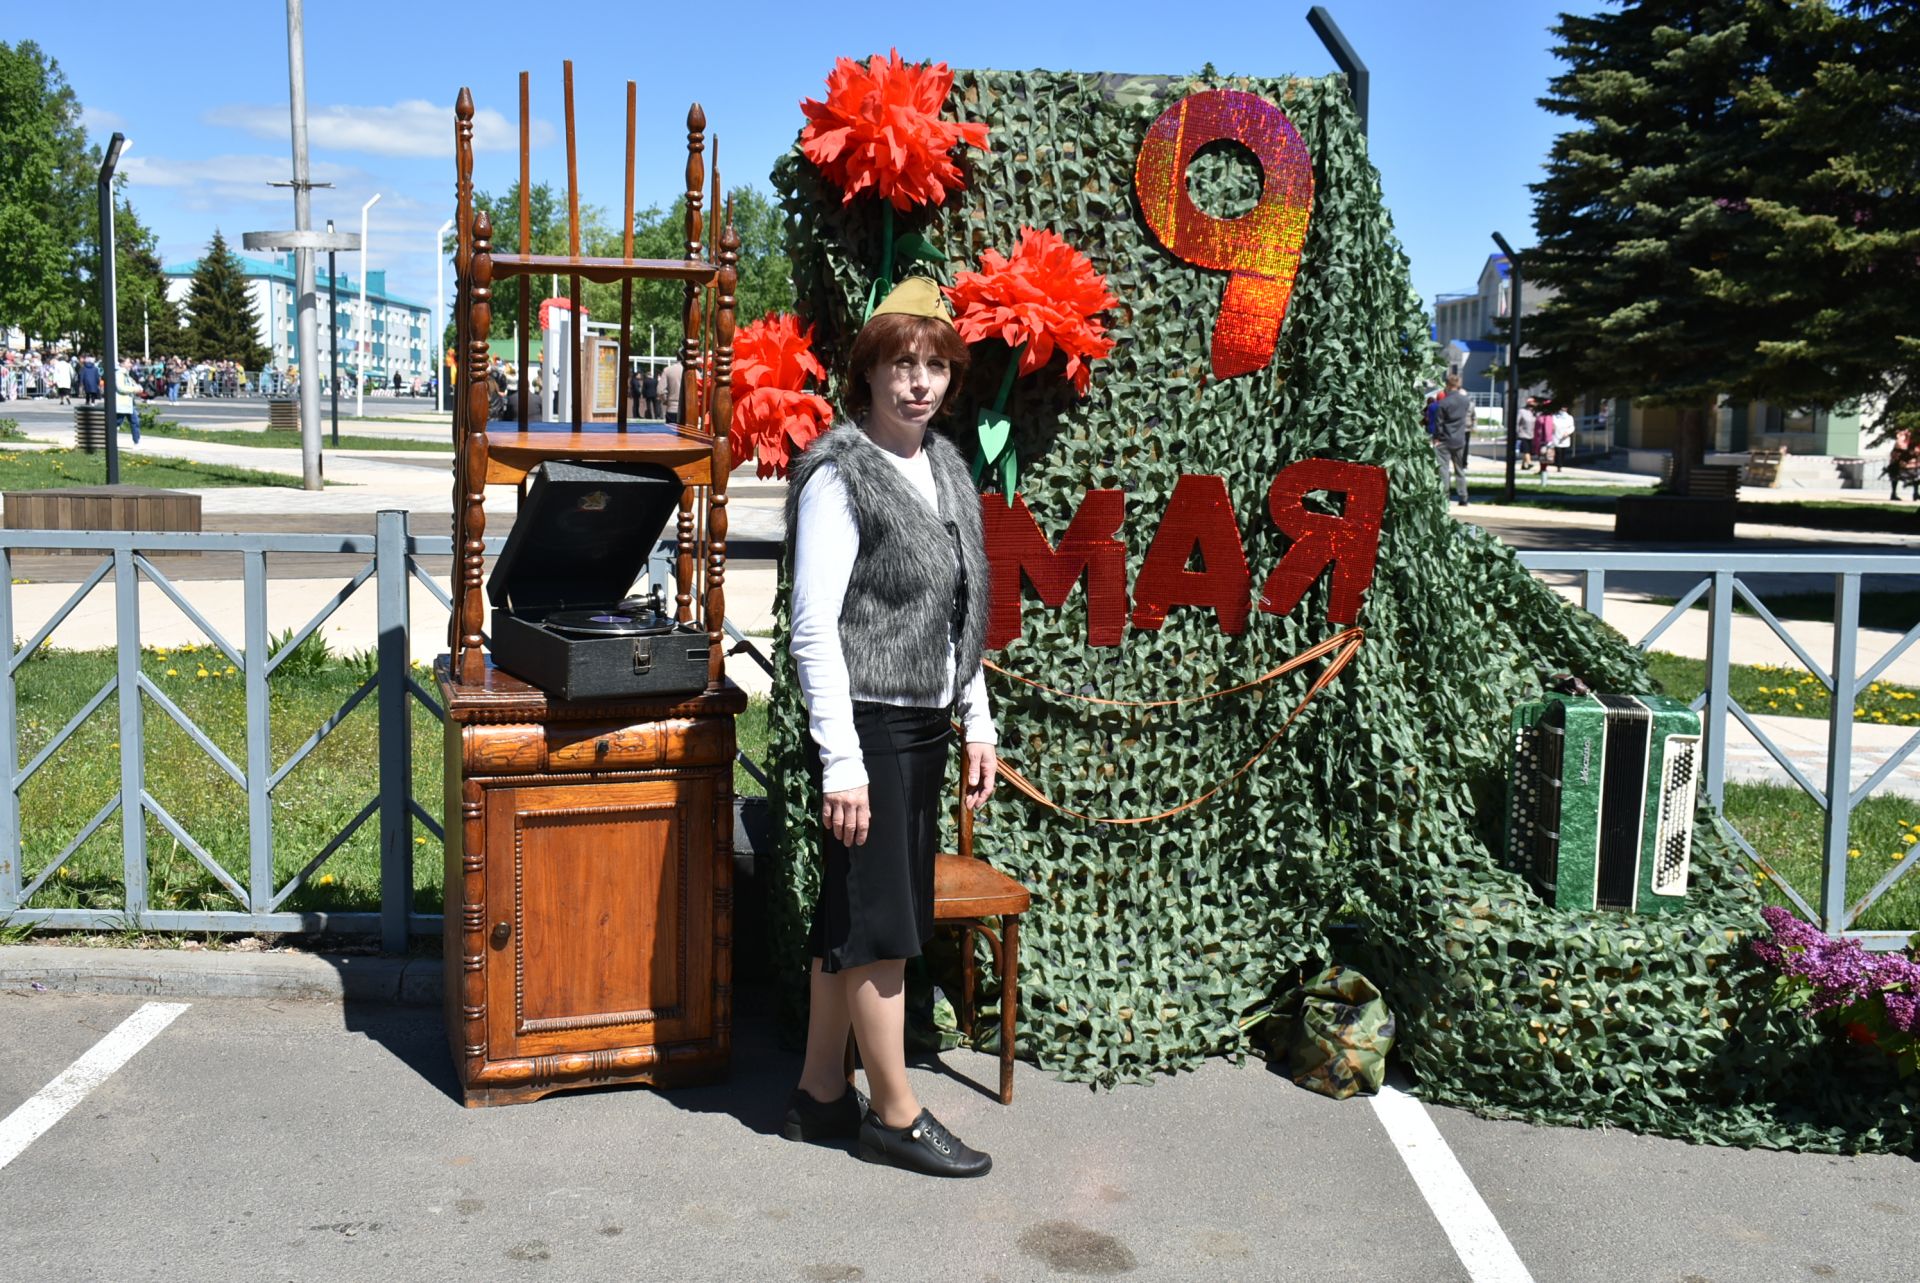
(982, 768)
(847, 815)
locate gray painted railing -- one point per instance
(1719, 578)
(393, 559)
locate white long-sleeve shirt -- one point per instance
(823, 551)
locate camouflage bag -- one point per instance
(1338, 1044)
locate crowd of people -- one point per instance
(1545, 435)
(60, 376)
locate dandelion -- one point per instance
(325, 880)
(173, 672)
(202, 672)
(420, 841)
(1798, 704)
(1773, 703)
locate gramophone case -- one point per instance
(582, 535)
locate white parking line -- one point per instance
(50, 1104)
(1470, 1226)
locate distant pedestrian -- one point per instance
(1540, 427)
(670, 379)
(1453, 431)
(1563, 427)
(636, 396)
(63, 379)
(1524, 445)
(89, 379)
(1903, 465)
(650, 392)
(126, 406)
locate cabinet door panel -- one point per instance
(608, 896)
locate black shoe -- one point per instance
(924, 1147)
(808, 1119)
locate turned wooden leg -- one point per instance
(966, 979)
(1009, 997)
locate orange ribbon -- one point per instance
(1346, 643)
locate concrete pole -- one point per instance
(333, 337)
(306, 301)
(439, 315)
(110, 307)
(366, 322)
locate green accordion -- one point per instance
(1600, 800)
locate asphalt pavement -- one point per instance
(300, 1140)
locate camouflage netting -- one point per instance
(1148, 945)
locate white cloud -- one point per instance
(100, 122)
(414, 127)
(222, 183)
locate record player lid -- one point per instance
(583, 534)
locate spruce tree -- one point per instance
(1840, 110)
(222, 324)
(1643, 197)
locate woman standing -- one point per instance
(889, 624)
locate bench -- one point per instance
(1710, 480)
(1763, 467)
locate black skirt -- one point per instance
(876, 899)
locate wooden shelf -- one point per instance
(511, 453)
(607, 271)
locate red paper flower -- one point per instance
(774, 416)
(775, 424)
(775, 352)
(880, 128)
(1047, 296)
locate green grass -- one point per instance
(48, 469)
(10, 430)
(1783, 690)
(288, 440)
(1783, 824)
(316, 800)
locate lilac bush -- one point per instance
(1873, 998)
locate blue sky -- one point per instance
(203, 95)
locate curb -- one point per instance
(175, 973)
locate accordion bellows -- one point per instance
(1600, 800)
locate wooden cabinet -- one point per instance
(589, 844)
(589, 889)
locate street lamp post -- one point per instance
(1513, 359)
(360, 355)
(439, 316)
(109, 306)
(333, 337)
(306, 301)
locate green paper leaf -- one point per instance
(913, 247)
(994, 430)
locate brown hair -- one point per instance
(890, 335)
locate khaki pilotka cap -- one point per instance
(915, 296)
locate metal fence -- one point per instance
(393, 559)
(1720, 578)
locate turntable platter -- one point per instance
(612, 621)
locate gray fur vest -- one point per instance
(901, 601)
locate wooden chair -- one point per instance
(967, 890)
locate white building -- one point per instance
(395, 335)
